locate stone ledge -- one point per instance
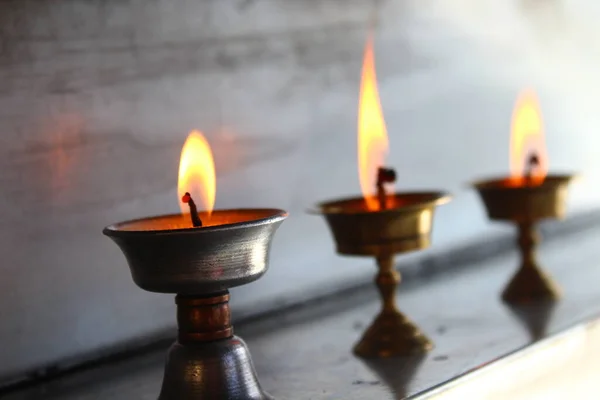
(484, 349)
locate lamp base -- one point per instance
(220, 369)
(392, 335)
(207, 361)
(529, 285)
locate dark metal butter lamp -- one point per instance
(199, 256)
(528, 196)
(381, 225)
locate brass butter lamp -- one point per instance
(403, 225)
(528, 196)
(525, 205)
(381, 225)
(199, 256)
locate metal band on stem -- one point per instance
(202, 319)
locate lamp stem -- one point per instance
(528, 240)
(530, 283)
(387, 281)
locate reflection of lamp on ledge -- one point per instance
(381, 225)
(535, 317)
(526, 197)
(398, 377)
(200, 256)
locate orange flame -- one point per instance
(372, 133)
(527, 139)
(197, 173)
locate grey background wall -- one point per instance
(97, 97)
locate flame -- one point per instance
(372, 133)
(197, 173)
(527, 138)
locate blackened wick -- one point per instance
(384, 175)
(196, 221)
(533, 162)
